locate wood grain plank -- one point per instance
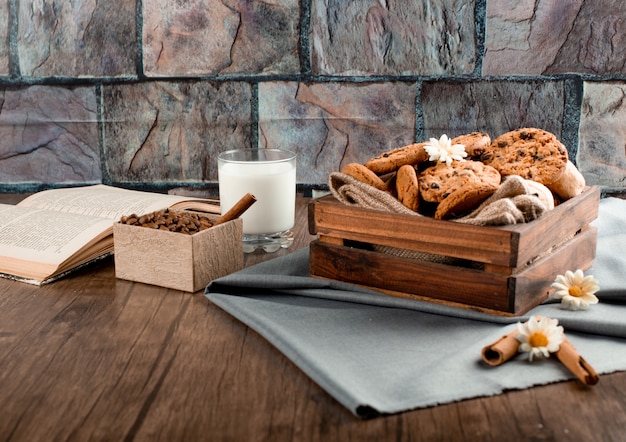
(92, 357)
(406, 277)
(557, 225)
(418, 233)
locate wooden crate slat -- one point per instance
(556, 225)
(533, 283)
(393, 273)
(332, 218)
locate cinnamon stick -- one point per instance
(501, 350)
(237, 210)
(569, 356)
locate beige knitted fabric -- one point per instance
(353, 192)
(513, 202)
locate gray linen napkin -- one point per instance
(377, 354)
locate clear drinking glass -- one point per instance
(269, 175)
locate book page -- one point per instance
(44, 236)
(101, 200)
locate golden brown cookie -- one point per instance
(475, 143)
(531, 153)
(363, 174)
(407, 188)
(391, 161)
(458, 188)
(570, 184)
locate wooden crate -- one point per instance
(504, 270)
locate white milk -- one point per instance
(272, 184)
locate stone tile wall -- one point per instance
(145, 93)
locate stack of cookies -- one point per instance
(449, 187)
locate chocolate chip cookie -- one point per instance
(363, 174)
(391, 161)
(407, 188)
(457, 188)
(475, 143)
(533, 154)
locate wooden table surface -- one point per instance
(91, 357)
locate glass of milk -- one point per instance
(269, 175)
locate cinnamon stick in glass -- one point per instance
(237, 210)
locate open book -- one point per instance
(56, 231)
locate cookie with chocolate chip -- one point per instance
(363, 174)
(458, 188)
(475, 143)
(391, 161)
(407, 187)
(533, 154)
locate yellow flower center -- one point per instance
(538, 339)
(575, 291)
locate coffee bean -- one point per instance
(183, 222)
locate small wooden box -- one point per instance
(177, 260)
(504, 270)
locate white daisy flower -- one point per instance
(444, 151)
(575, 290)
(539, 336)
